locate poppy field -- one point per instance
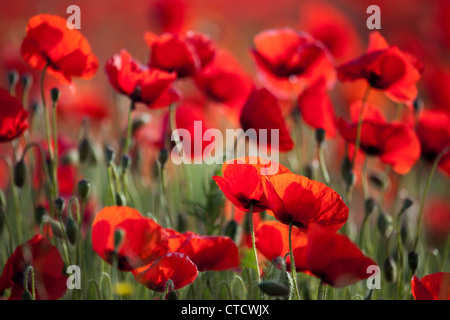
(225, 150)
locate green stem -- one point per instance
(425, 192)
(293, 270)
(322, 291)
(252, 231)
(323, 165)
(359, 127)
(127, 145)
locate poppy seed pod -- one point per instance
(57, 228)
(413, 260)
(407, 203)
(384, 224)
(55, 94)
(273, 288)
(71, 230)
(85, 150)
(320, 136)
(84, 187)
(390, 270)
(20, 173)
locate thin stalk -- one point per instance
(293, 270)
(322, 291)
(323, 165)
(252, 231)
(127, 145)
(359, 126)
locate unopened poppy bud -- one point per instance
(109, 155)
(119, 235)
(172, 295)
(370, 206)
(39, 214)
(26, 295)
(57, 228)
(140, 121)
(120, 199)
(70, 157)
(13, 78)
(84, 187)
(85, 150)
(2, 200)
(126, 162)
(418, 104)
(390, 269)
(231, 229)
(377, 181)
(163, 156)
(384, 224)
(273, 288)
(346, 166)
(320, 136)
(404, 232)
(407, 203)
(55, 94)
(60, 204)
(20, 172)
(350, 179)
(71, 230)
(34, 107)
(27, 80)
(413, 260)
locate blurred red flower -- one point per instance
(50, 281)
(434, 286)
(394, 143)
(433, 130)
(142, 84)
(169, 14)
(225, 81)
(437, 221)
(67, 53)
(386, 68)
(290, 61)
(241, 182)
(214, 253)
(185, 54)
(298, 200)
(172, 266)
(143, 242)
(262, 112)
(13, 117)
(317, 110)
(333, 258)
(272, 239)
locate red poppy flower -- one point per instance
(291, 60)
(330, 25)
(148, 85)
(224, 81)
(50, 281)
(13, 117)
(437, 221)
(169, 14)
(241, 182)
(394, 143)
(386, 68)
(214, 253)
(334, 258)
(433, 130)
(434, 286)
(66, 51)
(316, 109)
(262, 112)
(272, 239)
(298, 200)
(143, 242)
(184, 54)
(172, 266)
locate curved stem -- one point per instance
(359, 127)
(127, 145)
(252, 231)
(293, 270)
(425, 192)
